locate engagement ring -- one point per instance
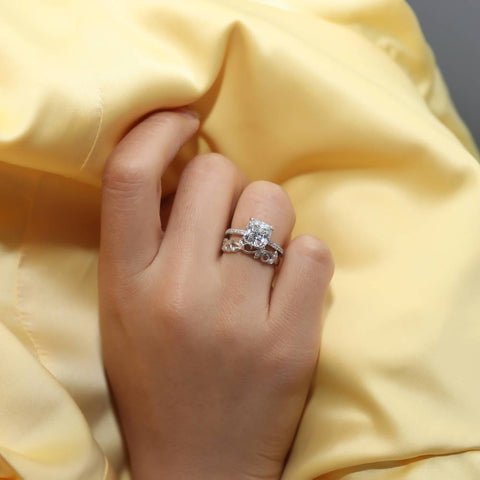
(255, 240)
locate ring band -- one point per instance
(255, 240)
(238, 231)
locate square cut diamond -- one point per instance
(257, 233)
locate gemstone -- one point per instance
(257, 233)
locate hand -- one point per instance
(209, 366)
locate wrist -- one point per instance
(154, 468)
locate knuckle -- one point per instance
(234, 337)
(314, 248)
(176, 291)
(180, 299)
(175, 305)
(122, 174)
(122, 170)
(268, 192)
(211, 160)
(207, 164)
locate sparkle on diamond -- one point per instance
(257, 233)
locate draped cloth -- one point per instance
(342, 103)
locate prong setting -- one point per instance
(258, 233)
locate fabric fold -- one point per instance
(340, 102)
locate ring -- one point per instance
(255, 240)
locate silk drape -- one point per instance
(343, 104)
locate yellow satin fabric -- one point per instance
(339, 101)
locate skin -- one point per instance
(209, 365)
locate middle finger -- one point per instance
(206, 195)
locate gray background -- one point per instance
(452, 28)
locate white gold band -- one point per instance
(238, 231)
(255, 240)
(231, 246)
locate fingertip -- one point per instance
(188, 112)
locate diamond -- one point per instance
(257, 233)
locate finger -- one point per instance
(204, 201)
(166, 205)
(299, 292)
(269, 203)
(131, 228)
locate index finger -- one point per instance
(131, 229)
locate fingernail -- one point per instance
(187, 110)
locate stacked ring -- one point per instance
(255, 240)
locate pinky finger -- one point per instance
(299, 293)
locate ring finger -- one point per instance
(269, 203)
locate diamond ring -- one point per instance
(255, 240)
